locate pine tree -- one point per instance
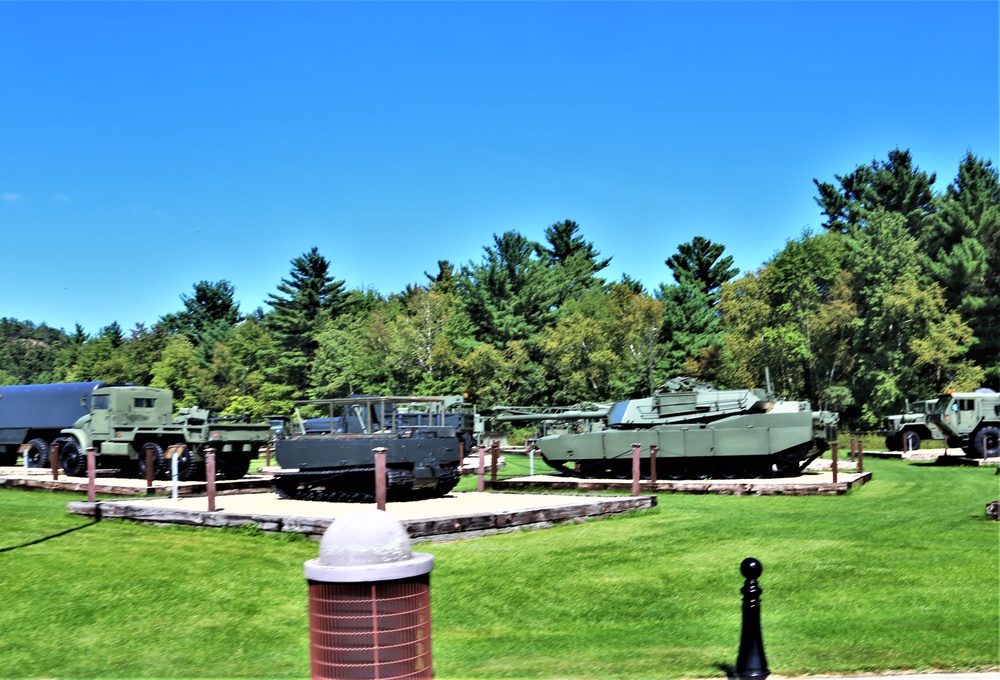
(304, 302)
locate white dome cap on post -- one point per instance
(366, 545)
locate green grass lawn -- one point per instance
(901, 574)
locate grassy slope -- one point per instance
(900, 574)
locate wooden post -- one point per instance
(148, 450)
(494, 460)
(481, 473)
(861, 456)
(853, 441)
(267, 455)
(652, 464)
(380, 481)
(635, 469)
(210, 478)
(91, 474)
(833, 456)
(54, 459)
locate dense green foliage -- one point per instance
(897, 575)
(895, 299)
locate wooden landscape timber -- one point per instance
(41, 479)
(806, 485)
(538, 512)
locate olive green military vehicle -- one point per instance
(906, 431)
(124, 420)
(971, 420)
(699, 432)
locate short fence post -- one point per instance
(267, 455)
(380, 481)
(652, 464)
(494, 460)
(91, 474)
(833, 459)
(210, 478)
(531, 461)
(148, 449)
(861, 457)
(751, 664)
(481, 472)
(635, 468)
(54, 459)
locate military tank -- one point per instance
(330, 457)
(699, 432)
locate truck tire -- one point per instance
(37, 453)
(910, 441)
(232, 465)
(159, 464)
(72, 458)
(893, 443)
(988, 442)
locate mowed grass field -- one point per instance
(901, 574)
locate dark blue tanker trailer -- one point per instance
(32, 416)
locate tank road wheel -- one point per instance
(789, 462)
(910, 441)
(72, 458)
(159, 464)
(37, 453)
(988, 442)
(672, 468)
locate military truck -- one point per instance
(906, 431)
(971, 420)
(120, 421)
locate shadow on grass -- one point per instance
(48, 538)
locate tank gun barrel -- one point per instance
(595, 414)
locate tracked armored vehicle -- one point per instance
(330, 457)
(699, 432)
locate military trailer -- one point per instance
(699, 432)
(330, 457)
(120, 422)
(906, 431)
(31, 417)
(971, 420)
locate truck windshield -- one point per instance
(100, 401)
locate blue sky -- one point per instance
(147, 146)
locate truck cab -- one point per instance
(128, 407)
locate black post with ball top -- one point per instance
(751, 664)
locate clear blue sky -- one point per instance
(147, 146)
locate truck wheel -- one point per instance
(988, 442)
(232, 465)
(37, 453)
(158, 462)
(72, 459)
(188, 467)
(911, 441)
(893, 443)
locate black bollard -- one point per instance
(751, 663)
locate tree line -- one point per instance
(897, 297)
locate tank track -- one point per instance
(345, 485)
(356, 485)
